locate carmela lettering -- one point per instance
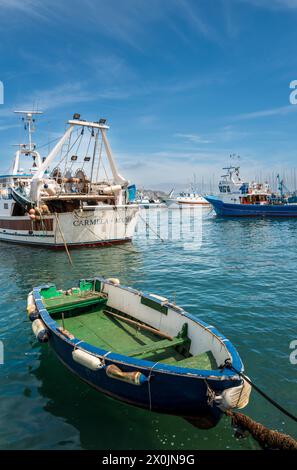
(83, 222)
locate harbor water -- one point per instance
(241, 279)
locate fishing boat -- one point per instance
(249, 199)
(140, 348)
(73, 197)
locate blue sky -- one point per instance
(183, 83)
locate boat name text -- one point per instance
(99, 221)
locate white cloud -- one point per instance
(273, 4)
(193, 138)
(128, 21)
(34, 8)
(266, 112)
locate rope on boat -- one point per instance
(63, 238)
(267, 438)
(149, 385)
(228, 365)
(150, 228)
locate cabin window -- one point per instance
(5, 205)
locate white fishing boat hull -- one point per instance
(89, 227)
(200, 201)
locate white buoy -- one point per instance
(114, 281)
(40, 330)
(234, 397)
(31, 307)
(87, 360)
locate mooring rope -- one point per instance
(149, 385)
(150, 228)
(267, 438)
(228, 365)
(63, 238)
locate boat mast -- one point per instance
(27, 148)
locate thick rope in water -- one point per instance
(267, 438)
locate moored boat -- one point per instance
(140, 348)
(146, 202)
(67, 198)
(243, 199)
(185, 198)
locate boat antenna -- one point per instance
(28, 118)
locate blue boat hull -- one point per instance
(163, 393)
(164, 389)
(252, 210)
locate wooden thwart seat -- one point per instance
(158, 345)
(69, 302)
(180, 340)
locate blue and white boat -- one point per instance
(140, 349)
(242, 199)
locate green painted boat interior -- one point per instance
(83, 312)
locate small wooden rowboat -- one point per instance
(140, 348)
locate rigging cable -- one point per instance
(148, 226)
(87, 151)
(99, 159)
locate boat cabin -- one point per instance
(254, 199)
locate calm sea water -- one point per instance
(243, 279)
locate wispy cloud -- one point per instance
(8, 126)
(193, 16)
(67, 94)
(266, 113)
(193, 138)
(110, 68)
(273, 4)
(32, 8)
(129, 21)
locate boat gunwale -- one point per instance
(212, 374)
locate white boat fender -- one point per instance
(40, 330)
(31, 307)
(87, 360)
(112, 189)
(134, 378)
(114, 280)
(234, 397)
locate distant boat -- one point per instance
(243, 199)
(62, 199)
(139, 348)
(185, 198)
(145, 202)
